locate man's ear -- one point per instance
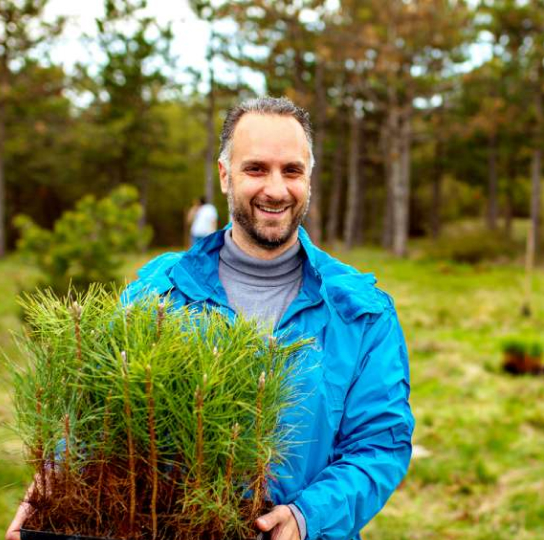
(223, 177)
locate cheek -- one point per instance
(300, 191)
(247, 192)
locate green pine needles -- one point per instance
(143, 421)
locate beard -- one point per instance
(256, 230)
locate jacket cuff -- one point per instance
(312, 519)
(300, 519)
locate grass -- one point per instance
(484, 477)
(483, 430)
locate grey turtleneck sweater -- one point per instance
(257, 288)
(262, 289)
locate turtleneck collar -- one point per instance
(281, 270)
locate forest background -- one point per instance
(414, 126)
(428, 130)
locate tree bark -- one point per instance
(508, 208)
(3, 95)
(536, 161)
(492, 184)
(401, 190)
(436, 207)
(2, 177)
(353, 192)
(335, 197)
(536, 196)
(374, 210)
(399, 128)
(387, 226)
(315, 218)
(144, 198)
(210, 127)
(361, 215)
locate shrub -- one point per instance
(472, 247)
(521, 347)
(169, 419)
(86, 243)
(522, 356)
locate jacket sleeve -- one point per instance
(373, 445)
(152, 278)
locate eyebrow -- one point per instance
(299, 164)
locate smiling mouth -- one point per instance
(271, 210)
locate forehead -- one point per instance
(269, 137)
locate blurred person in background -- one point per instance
(203, 220)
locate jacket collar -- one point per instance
(197, 273)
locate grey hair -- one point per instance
(262, 105)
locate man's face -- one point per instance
(268, 188)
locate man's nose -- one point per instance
(276, 187)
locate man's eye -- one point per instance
(293, 171)
(253, 168)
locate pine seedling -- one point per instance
(258, 495)
(147, 422)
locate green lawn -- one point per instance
(483, 477)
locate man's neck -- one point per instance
(248, 246)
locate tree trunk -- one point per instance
(387, 227)
(399, 151)
(508, 206)
(335, 197)
(492, 184)
(2, 177)
(361, 216)
(536, 171)
(144, 198)
(536, 162)
(315, 218)
(436, 207)
(353, 194)
(210, 127)
(3, 96)
(374, 210)
(401, 191)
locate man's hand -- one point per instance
(20, 517)
(281, 522)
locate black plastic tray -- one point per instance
(27, 534)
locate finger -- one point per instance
(285, 531)
(279, 514)
(13, 532)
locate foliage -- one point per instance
(22, 30)
(124, 118)
(168, 419)
(462, 201)
(129, 83)
(522, 347)
(42, 146)
(474, 246)
(86, 243)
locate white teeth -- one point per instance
(272, 210)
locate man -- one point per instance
(354, 425)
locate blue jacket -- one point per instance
(354, 438)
